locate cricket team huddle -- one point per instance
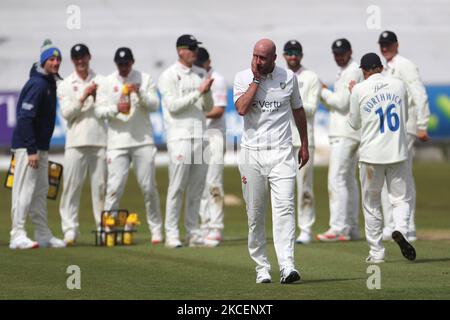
(376, 114)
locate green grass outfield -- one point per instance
(145, 271)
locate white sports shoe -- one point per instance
(157, 238)
(195, 240)
(214, 234)
(304, 238)
(173, 243)
(23, 243)
(331, 236)
(263, 276)
(371, 259)
(70, 237)
(52, 243)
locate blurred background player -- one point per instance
(379, 107)
(309, 85)
(85, 150)
(265, 95)
(344, 141)
(36, 113)
(186, 96)
(419, 115)
(211, 206)
(126, 99)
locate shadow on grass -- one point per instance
(431, 260)
(306, 282)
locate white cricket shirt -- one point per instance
(184, 106)
(309, 85)
(219, 94)
(83, 127)
(419, 110)
(379, 107)
(338, 101)
(267, 123)
(133, 129)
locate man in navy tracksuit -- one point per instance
(36, 111)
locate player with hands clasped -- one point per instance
(379, 107)
(186, 97)
(125, 100)
(85, 149)
(265, 95)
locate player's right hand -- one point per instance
(422, 135)
(33, 160)
(123, 107)
(90, 90)
(303, 156)
(205, 86)
(255, 71)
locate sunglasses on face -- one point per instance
(293, 53)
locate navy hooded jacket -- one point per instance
(36, 112)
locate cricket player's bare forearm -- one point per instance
(244, 103)
(300, 122)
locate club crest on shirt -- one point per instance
(75, 88)
(282, 85)
(116, 89)
(244, 180)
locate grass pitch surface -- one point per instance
(145, 271)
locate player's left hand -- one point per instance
(422, 135)
(303, 156)
(351, 85)
(134, 87)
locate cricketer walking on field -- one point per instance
(264, 95)
(379, 107)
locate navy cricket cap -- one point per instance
(123, 55)
(187, 41)
(293, 45)
(387, 37)
(341, 46)
(202, 56)
(370, 61)
(79, 50)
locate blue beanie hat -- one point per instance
(48, 50)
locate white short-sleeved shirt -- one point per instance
(379, 106)
(219, 93)
(267, 124)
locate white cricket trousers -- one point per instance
(373, 176)
(29, 196)
(259, 171)
(187, 172)
(143, 160)
(387, 207)
(343, 190)
(211, 205)
(306, 215)
(78, 162)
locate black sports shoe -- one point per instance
(407, 249)
(291, 277)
